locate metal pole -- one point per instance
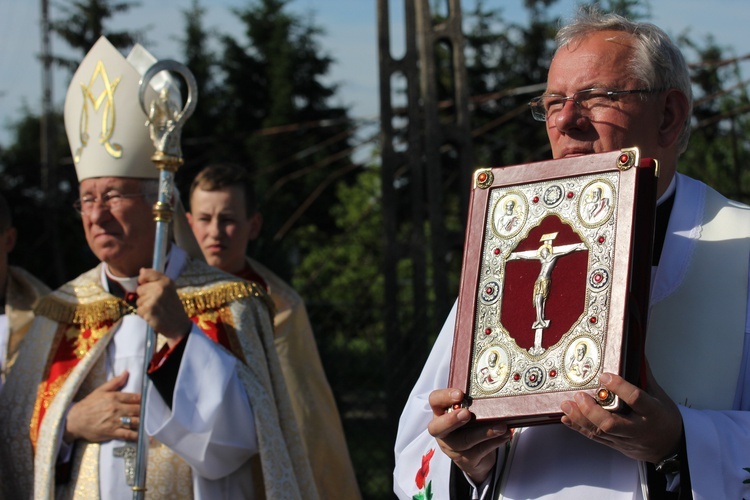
(47, 150)
(165, 125)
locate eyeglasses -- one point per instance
(546, 105)
(113, 200)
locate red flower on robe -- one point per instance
(425, 469)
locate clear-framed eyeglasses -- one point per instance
(113, 200)
(546, 106)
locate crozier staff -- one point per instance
(165, 122)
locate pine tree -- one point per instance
(279, 121)
(83, 22)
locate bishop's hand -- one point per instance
(159, 304)
(101, 415)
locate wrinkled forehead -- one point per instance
(104, 184)
(595, 59)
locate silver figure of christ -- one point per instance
(547, 256)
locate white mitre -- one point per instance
(107, 128)
(104, 121)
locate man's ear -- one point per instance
(256, 223)
(676, 110)
(189, 218)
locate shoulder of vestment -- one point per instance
(85, 303)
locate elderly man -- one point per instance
(19, 293)
(218, 415)
(613, 84)
(224, 218)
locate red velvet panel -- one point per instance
(567, 292)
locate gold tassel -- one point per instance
(112, 309)
(85, 315)
(219, 296)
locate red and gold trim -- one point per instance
(82, 325)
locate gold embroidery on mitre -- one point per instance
(107, 96)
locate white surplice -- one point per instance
(211, 425)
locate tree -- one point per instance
(341, 277)
(719, 150)
(202, 138)
(83, 22)
(20, 165)
(20, 178)
(276, 97)
(507, 65)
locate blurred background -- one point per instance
(361, 122)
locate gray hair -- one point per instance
(658, 62)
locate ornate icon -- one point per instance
(492, 369)
(581, 360)
(509, 215)
(596, 203)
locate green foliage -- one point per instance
(343, 272)
(637, 10)
(203, 64)
(83, 22)
(265, 91)
(341, 278)
(20, 178)
(501, 57)
(719, 150)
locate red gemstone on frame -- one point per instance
(536, 199)
(487, 331)
(553, 373)
(482, 177)
(496, 251)
(592, 319)
(624, 158)
(516, 376)
(601, 239)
